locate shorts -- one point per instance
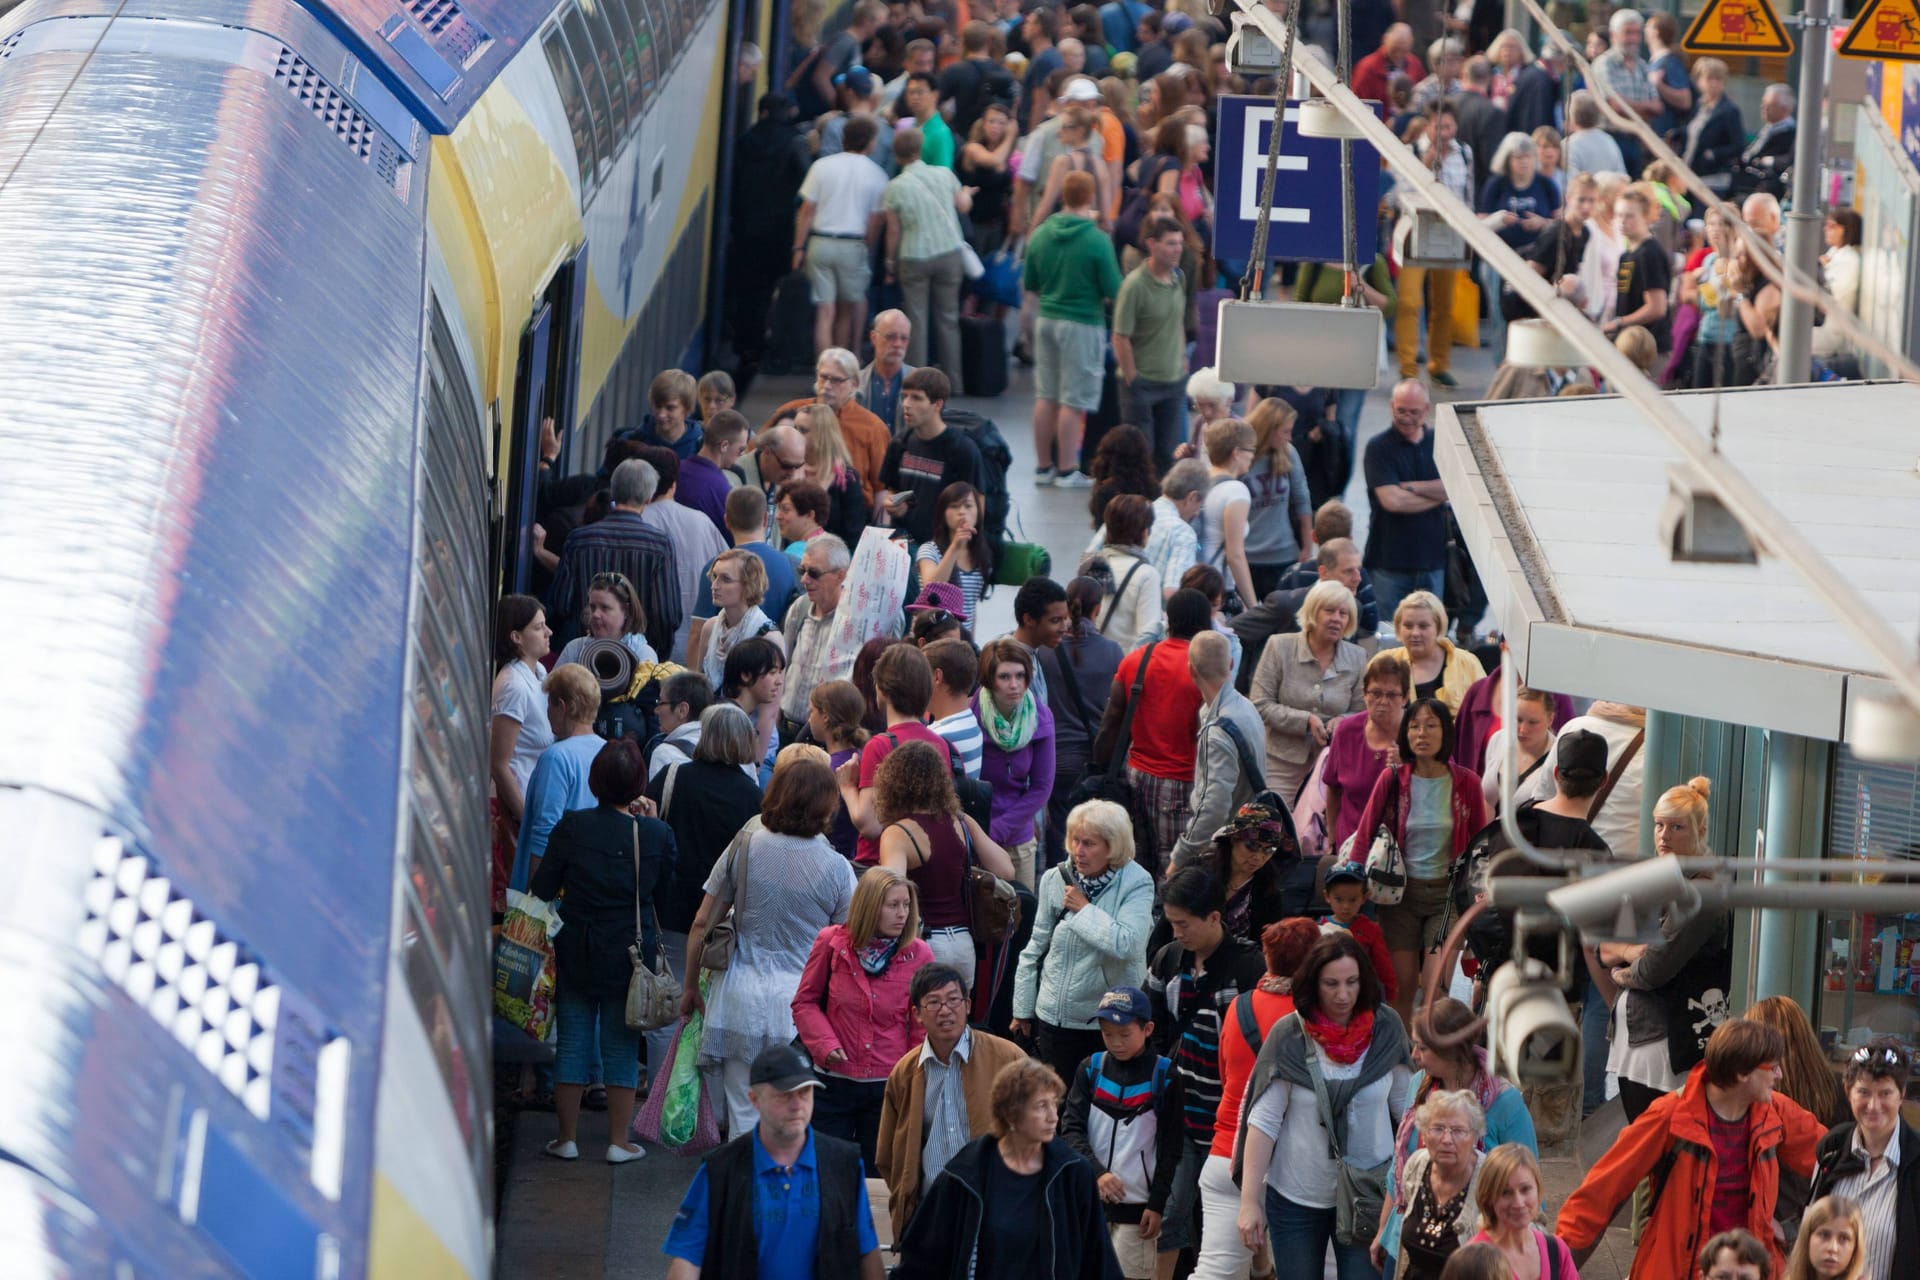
(1413, 924)
(838, 270)
(1136, 1255)
(1070, 362)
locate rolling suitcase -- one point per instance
(790, 337)
(983, 356)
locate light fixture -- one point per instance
(1536, 344)
(1883, 727)
(1319, 118)
(1251, 52)
(1299, 343)
(1697, 528)
(1434, 243)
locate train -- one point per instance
(286, 290)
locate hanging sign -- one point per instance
(1738, 26)
(1886, 30)
(1306, 225)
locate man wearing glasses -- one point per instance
(1407, 536)
(836, 378)
(778, 457)
(878, 385)
(808, 628)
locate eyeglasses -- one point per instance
(1384, 695)
(808, 572)
(832, 379)
(1454, 1131)
(933, 1004)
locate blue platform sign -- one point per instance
(1306, 223)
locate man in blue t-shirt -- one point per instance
(779, 1200)
(1407, 535)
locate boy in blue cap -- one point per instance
(1123, 1116)
(1346, 895)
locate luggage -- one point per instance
(983, 356)
(790, 323)
(1207, 304)
(997, 459)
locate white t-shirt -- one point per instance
(845, 189)
(517, 695)
(1213, 523)
(1302, 1166)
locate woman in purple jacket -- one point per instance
(1018, 755)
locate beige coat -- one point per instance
(1288, 687)
(897, 1154)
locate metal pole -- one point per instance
(1803, 223)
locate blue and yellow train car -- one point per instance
(285, 291)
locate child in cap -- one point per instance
(1123, 1116)
(1346, 894)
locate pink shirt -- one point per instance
(1567, 1270)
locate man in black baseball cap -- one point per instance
(779, 1200)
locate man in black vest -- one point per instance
(781, 1202)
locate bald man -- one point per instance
(1407, 536)
(878, 386)
(1394, 56)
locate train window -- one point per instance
(449, 1016)
(606, 51)
(627, 55)
(641, 23)
(573, 98)
(574, 26)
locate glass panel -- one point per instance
(574, 99)
(643, 43)
(606, 51)
(616, 13)
(581, 46)
(1870, 984)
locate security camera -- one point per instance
(1624, 904)
(1697, 528)
(1250, 52)
(1532, 1032)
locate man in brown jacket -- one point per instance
(939, 1096)
(835, 379)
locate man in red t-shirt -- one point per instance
(1395, 55)
(902, 685)
(1160, 750)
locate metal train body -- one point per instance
(271, 285)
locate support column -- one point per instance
(1786, 947)
(1803, 222)
(1663, 767)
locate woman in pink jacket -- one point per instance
(851, 1007)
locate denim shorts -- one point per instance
(619, 1047)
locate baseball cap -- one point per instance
(782, 1068)
(941, 595)
(1080, 89)
(857, 78)
(1581, 755)
(1123, 1005)
(1175, 23)
(1346, 873)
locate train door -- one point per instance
(545, 388)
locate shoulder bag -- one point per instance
(1120, 594)
(653, 994)
(1386, 864)
(1613, 776)
(1358, 1194)
(716, 949)
(993, 908)
(1112, 783)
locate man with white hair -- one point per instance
(1762, 213)
(1623, 68)
(809, 630)
(1228, 751)
(621, 543)
(1770, 154)
(836, 377)
(1407, 532)
(877, 386)
(1172, 545)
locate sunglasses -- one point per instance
(1884, 1056)
(809, 572)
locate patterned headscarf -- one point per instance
(1259, 825)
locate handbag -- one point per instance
(1386, 864)
(999, 280)
(716, 950)
(653, 995)
(1359, 1195)
(993, 908)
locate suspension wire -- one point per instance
(1253, 283)
(1766, 260)
(61, 101)
(1349, 231)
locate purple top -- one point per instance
(842, 834)
(1022, 780)
(1352, 766)
(704, 487)
(1479, 709)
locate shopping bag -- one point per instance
(873, 592)
(523, 970)
(678, 1114)
(1466, 310)
(999, 283)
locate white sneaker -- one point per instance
(1074, 480)
(1043, 478)
(617, 1154)
(563, 1150)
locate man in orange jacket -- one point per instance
(1714, 1151)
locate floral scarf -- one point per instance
(1345, 1044)
(1009, 734)
(877, 955)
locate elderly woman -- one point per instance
(739, 585)
(519, 731)
(1440, 668)
(1458, 1070)
(1518, 202)
(1507, 1193)
(1436, 1187)
(1280, 521)
(559, 779)
(784, 884)
(1432, 807)
(1361, 747)
(1211, 400)
(1653, 1050)
(1017, 752)
(1341, 1036)
(1533, 725)
(603, 864)
(851, 1006)
(928, 839)
(1016, 1203)
(1089, 935)
(1306, 680)
(1136, 604)
(613, 613)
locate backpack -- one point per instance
(1095, 1066)
(996, 461)
(976, 796)
(635, 713)
(1133, 211)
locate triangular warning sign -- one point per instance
(1885, 30)
(1739, 26)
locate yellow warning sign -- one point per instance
(1885, 30)
(1739, 26)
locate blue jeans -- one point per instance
(1391, 586)
(1496, 323)
(1347, 413)
(580, 1016)
(1594, 1016)
(1178, 1229)
(1300, 1237)
(1159, 409)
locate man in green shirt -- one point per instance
(923, 101)
(1150, 340)
(1071, 268)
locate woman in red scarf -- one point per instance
(1341, 1041)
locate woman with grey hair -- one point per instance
(1519, 204)
(1211, 400)
(1437, 1185)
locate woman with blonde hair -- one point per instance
(1832, 1243)
(1306, 680)
(1508, 1197)
(1436, 1186)
(739, 585)
(1441, 669)
(1508, 54)
(830, 466)
(851, 1008)
(1653, 1048)
(1280, 521)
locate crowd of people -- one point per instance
(1068, 936)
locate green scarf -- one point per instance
(1009, 734)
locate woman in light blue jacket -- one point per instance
(1089, 934)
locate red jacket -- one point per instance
(837, 1006)
(1371, 74)
(1469, 808)
(1780, 1134)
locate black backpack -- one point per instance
(635, 713)
(996, 460)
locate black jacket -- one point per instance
(1535, 94)
(1169, 1125)
(733, 1248)
(769, 163)
(1482, 126)
(1834, 1159)
(591, 855)
(711, 802)
(943, 1238)
(1721, 140)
